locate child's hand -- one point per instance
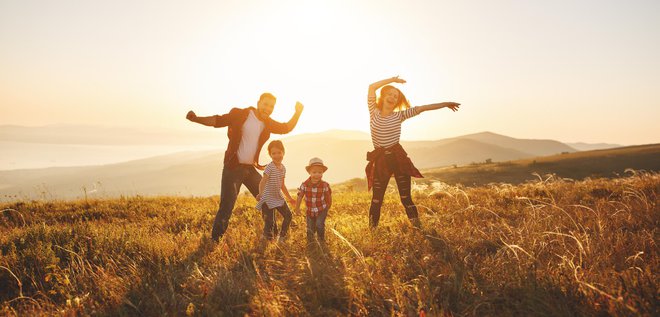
(258, 197)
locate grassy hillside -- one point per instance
(552, 248)
(599, 163)
(608, 163)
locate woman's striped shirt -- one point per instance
(386, 130)
(272, 195)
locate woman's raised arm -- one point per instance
(373, 87)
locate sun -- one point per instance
(310, 53)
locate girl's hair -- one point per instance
(277, 144)
(401, 104)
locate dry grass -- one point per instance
(547, 248)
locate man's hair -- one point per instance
(277, 144)
(267, 95)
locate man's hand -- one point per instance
(299, 106)
(191, 116)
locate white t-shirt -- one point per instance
(247, 149)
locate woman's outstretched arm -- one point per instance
(373, 87)
(451, 105)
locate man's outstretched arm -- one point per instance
(212, 121)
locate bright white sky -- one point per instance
(566, 70)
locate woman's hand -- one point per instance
(396, 79)
(452, 105)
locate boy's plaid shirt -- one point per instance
(316, 196)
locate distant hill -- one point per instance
(531, 146)
(198, 172)
(607, 163)
(185, 173)
(81, 145)
(581, 146)
(461, 151)
(104, 135)
(331, 134)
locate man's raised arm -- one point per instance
(283, 128)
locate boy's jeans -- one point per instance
(316, 225)
(270, 226)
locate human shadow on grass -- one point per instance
(323, 287)
(166, 286)
(463, 291)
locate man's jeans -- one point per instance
(316, 225)
(232, 179)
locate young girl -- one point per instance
(271, 188)
(388, 157)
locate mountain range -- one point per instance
(198, 172)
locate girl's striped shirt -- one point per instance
(272, 195)
(386, 130)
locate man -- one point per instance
(248, 130)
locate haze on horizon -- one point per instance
(572, 71)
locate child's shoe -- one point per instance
(416, 223)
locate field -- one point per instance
(550, 247)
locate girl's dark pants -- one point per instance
(403, 182)
(270, 225)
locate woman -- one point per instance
(388, 157)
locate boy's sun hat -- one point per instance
(315, 161)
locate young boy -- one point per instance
(318, 198)
(271, 188)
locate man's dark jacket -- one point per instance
(235, 119)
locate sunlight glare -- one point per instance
(301, 55)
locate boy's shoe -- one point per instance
(281, 240)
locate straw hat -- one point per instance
(315, 161)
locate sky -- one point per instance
(566, 70)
